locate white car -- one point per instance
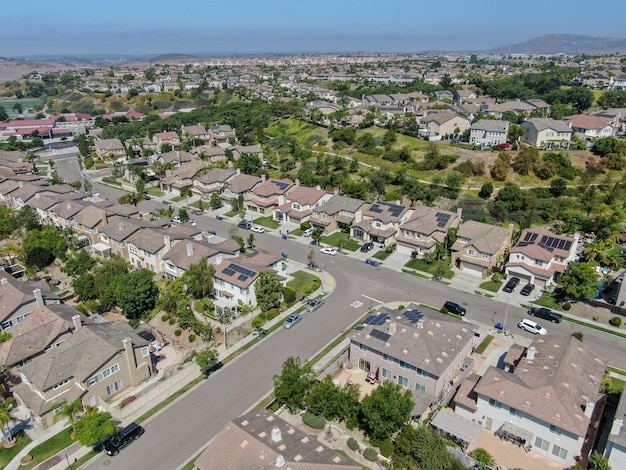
(192, 222)
(177, 220)
(532, 327)
(308, 232)
(328, 251)
(258, 229)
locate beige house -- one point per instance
(212, 182)
(479, 247)
(197, 132)
(426, 227)
(19, 299)
(300, 203)
(444, 123)
(96, 363)
(380, 223)
(110, 148)
(219, 134)
(337, 213)
(166, 138)
(267, 196)
(589, 127)
(546, 133)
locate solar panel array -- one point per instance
(381, 335)
(555, 243)
(442, 219)
(244, 273)
(413, 315)
(394, 209)
(376, 208)
(379, 319)
(281, 184)
(530, 237)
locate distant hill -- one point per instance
(570, 44)
(171, 58)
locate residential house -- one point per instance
(197, 132)
(616, 117)
(209, 153)
(267, 196)
(19, 299)
(212, 182)
(443, 123)
(166, 138)
(182, 255)
(146, 248)
(61, 214)
(464, 96)
(444, 95)
(589, 127)
(174, 158)
(261, 439)
(114, 238)
(89, 221)
(132, 115)
(299, 204)
(417, 348)
(615, 449)
(546, 133)
(96, 363)
(489, 133)
(221, 134)
(380, 223)
(41, 331)
(619, 82)
(42, 205)
(540, 256)
(337, 213)
(240, 185)
(480, 247)
(182, 176)
(21, 196)
(549, 399)
(110, 148)
(239, 150)
(426, 227)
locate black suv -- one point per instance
(244, 224)
(113, 444)
(367, 247)
(546, 314)
(212, 367)
(453, 307)
(511, 284)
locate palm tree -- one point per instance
(5, 417)
(70, 411)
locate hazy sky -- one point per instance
(72, 27)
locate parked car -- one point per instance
(113, 444)
(191, 222)
(369, 246)
(314, 305)
(146, 197)
(197, 212)
(453, 307)
(546, 314)
(527, 289)
(315, 242)
(328, 251)
(177, 220)
(532, 327)
(244, 224)
(95, 194)
(511, 284)
(210, 368)
(292, 320)
(308, 232)
(258, 229)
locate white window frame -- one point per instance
(542, 444)
(559, 452)
(403, 381)
(387, 374)
(91, 400)
(110, 371)
(420, 388)
(145, 352)
(114, 387)
(60, 384)
(556, 430)
(91, 381)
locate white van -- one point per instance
(532, 327)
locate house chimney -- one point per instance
(280, 461)
(130, 359)
(69, 205)
(122, 226)
(297, 181)
(77, 323)
(276, 435)
(104, 217)
(318, 187)
(189, 249)
(459, 212)
(263, 178)
(238, 171)
(168, 242)
(617, 426)
(392, 328)
(39, 298)
(530, 353)
(589, 408)
(218, 260)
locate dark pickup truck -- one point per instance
(546, 314)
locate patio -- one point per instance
(355, 376)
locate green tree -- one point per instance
(268, 290)
(4, 116)
(422, 448)
(78, 263)
(483, 457)
(292, 385)
(216, 201)
(38, 257)
(486, 190)
(205, 358)
(132, 198)
(183, 214)
(250, 240)
(326, 399)
(70, 411)
(137, 293)
(386, 409)
(558, 187)
(598, 462)
(94, 427)
(85, 287)
(6, 407)
(248, 163)
(578, 280)
(199, 279)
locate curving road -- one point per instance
(182, 429)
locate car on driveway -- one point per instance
(511, 284)
(244, 224)
(113, 444)
(328, 251)
(314, 305)
(546, 314)
(532, 327)
(527, 289)
(369, 246)
(177, 220)
(292, 320)
(258, 229)
(308, 232)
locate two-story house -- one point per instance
(479, 247)
(196, 132)
(549, 398)
(546, 133)
(444, 123)
(89, 221)
(239, 150)
(95, 363)
(61, 214)
(240, 185)
(267, 196)
(221, 133)
(337, 213)
(182, 176)
(182, 255)
(212, 182)
(146, 248)
(110, 148)
(540, 256)
(417, 348)
(19, 299)
(426, 227)
(166, 138)
(489, 132)
(115, 236)
(299, 204)
(380, 223)
(589, 127)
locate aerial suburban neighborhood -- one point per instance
(314, 261)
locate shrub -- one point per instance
(353, 444)
(171, 321)
(289, 295)
(353, 421)
(386, 448)
(370, 454)
(615, 321)
(567, 306)
(305, 225)
(314, 421)
(258, 321)
(312, 286)
(133, 323)
(165, 317)
(578, 335)
(400, 308)
(444, 310)
(391, 248)
(271, 314)
(596, 317)
(192, 338)
(178, 332)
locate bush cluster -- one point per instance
(192, 338)
(316, 422)
(289, 295)
(386, 448)
(165, 317)
(370, 454)
(312, 286)
(615, 321)
(353, 444)
(567, 306)
(178, 332)
(271, 314)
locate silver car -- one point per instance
(314, 305)
(292, 320)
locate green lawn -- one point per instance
(267, 221)
(483, 344)
(231, 214)
(381, 255)
(50, 447)
(492, 286)
(339, 237)
(547, 300)
(6, 455)
(154, 191)
(301, 279)
(438, 267)
(26, 104)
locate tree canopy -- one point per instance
(386, 409)
(268, 290)
(293, 383)
(94, 427)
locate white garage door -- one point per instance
(473, 270)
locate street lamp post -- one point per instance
(506, 314)
(322, 266)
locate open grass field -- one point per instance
(26, 104)
(341, 238)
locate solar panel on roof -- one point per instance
(242, 277)
(368, 320)
(413, 315)
(568, 245)
(561, 244)
(380, 335)
(228, 272)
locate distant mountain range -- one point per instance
(571, 44)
